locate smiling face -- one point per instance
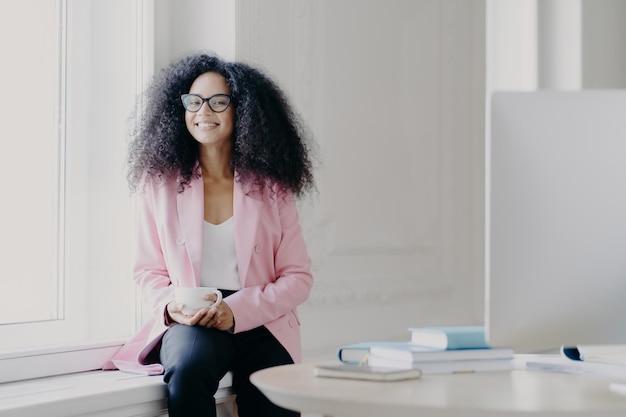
(207, 126)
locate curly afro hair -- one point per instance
(271, 147)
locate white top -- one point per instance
(219, 261)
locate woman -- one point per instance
(216, 160)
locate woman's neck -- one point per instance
(215, 163)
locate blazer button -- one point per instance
(257, 248)
(180, 241)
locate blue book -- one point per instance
(450, 337)
(445, 367)
(411, 353)
(358, 353)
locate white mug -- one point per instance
(192, 298)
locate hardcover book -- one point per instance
(450, 337)
(358, 353)
(410, 352)
(446, 367)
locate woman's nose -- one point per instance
(205, 108)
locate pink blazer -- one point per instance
(274, 266)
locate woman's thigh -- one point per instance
(197, 352)
(257, 349)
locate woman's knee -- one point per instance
(195, 356)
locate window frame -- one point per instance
(86, 351)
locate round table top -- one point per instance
(501, 393)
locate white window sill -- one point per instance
(93, 394)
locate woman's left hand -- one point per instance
(219, 317)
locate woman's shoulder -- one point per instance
(158, 183)
(268, 190)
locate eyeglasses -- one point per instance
(217, 102)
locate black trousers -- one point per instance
(196, 358)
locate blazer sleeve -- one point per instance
(288, 279)
(150, 271)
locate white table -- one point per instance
(504, 393)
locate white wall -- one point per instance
(556, 44)
(184, 26)
(603, 49)
(394, 92)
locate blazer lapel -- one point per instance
(190, 205)
(246, 208)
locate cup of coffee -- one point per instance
(193, 298)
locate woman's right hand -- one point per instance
(175, 314)
(219, 316)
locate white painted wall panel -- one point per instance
(394, 93)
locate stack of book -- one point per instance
(434, 350)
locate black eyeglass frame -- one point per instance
(207, 101)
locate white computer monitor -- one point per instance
(556, 219)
